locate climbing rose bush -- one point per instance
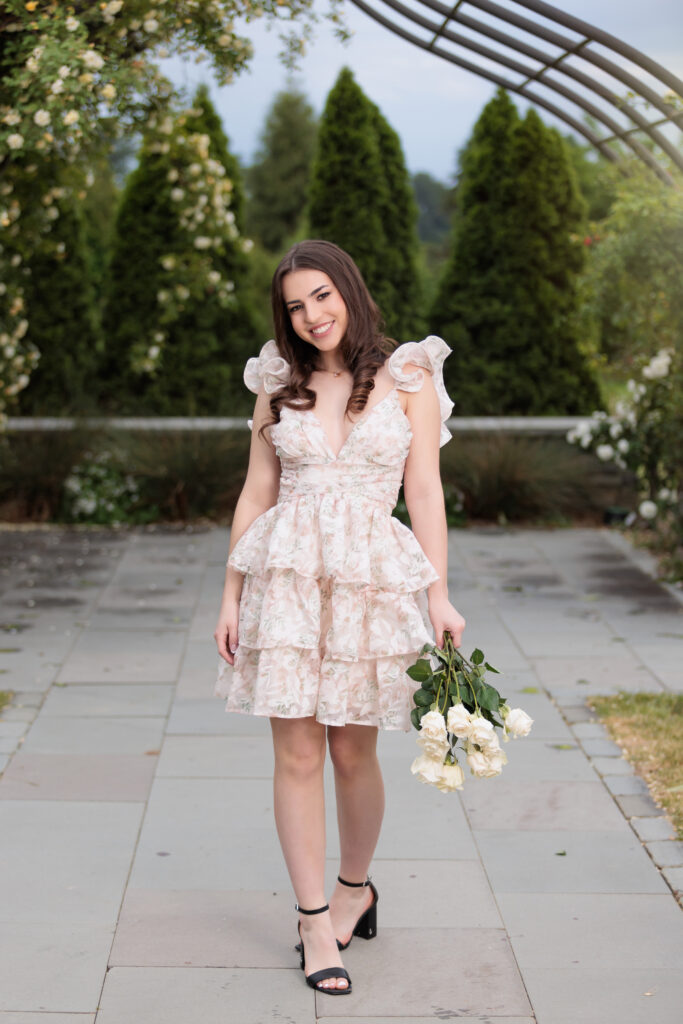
(71, 74)
(643, 435)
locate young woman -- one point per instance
(327, 597)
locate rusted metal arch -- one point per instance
(441, 31)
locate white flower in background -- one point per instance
(647, 509)
(64, 71)
(153, 351)
(15, 140)
(172, 175)
(150, 25)
(177, 194)
(52, 213)
(11, 117)
(70, 117)
(108, 91)
(664, 494)
(604, 452)
(517, 722)
(623, 445)
(72, 23)
(162, 296)
(92, 60)
(168, 262)
(42, 118)
(202, 242)
(615, 430)
(57, 86)
(113, 7)
(658, 365)
(182, 292)
(225, 40)
(195, 169)
(213, 276)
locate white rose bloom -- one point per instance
(247, 244)
(479, 764)
(52, 213)
(72, 23)
(15, 140)
(647, 509)
(177, 194)
(168, 262)
(224, 40)
(459, 721)
(70, 117)
(42, 118)
(664, 494)
(427, 770)
(451, 777)
(57, 87)
(172, 175)
(604, 452)
(114, 6)
(182, 292)
(92, 60)
(518, 723)
(150, 25)
(615, 430)
(623, 445)
(214, 276)
(12, 117)
(202, 242)
(108, 91)
(64, 71)
(482, 732)
(153, 351)
(432, 724)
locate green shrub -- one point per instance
(33, 467)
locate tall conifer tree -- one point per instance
(506, 301)
(207, 339)
(361, 199)
(279, 178)
(64, 322)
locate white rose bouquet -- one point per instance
(456, 706)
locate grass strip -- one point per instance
(5, 698)
(649, 729)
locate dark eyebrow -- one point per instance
(310, 294)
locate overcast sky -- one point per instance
(430, 102)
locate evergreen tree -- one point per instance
(199, 315)
(506, 302)
(278, 180)
(64, 323)
(360, 198)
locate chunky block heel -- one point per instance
(366, 925)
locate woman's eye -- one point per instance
(323, 295)
(294, 309)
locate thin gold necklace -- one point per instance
(335, 373)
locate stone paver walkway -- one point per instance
(140, 874)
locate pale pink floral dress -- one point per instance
(333, 607)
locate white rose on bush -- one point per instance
(647, 509)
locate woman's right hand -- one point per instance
(226, 632)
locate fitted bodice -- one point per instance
(368, 467)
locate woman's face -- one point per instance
(316, 308)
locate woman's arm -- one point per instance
(425, 503)
(257, 496)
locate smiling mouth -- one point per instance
(319, 332)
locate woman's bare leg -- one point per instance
(299, 745)
(360, 809)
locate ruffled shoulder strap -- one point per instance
(431, 354)
(268, 369)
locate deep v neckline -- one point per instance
(358, 422)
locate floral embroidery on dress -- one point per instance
(333, 607)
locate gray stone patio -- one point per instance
(136, 834)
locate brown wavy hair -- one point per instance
(364, 347)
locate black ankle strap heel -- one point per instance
(366, 925)
(314, 980)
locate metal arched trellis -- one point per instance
(595, 73)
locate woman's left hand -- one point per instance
(444, 616)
